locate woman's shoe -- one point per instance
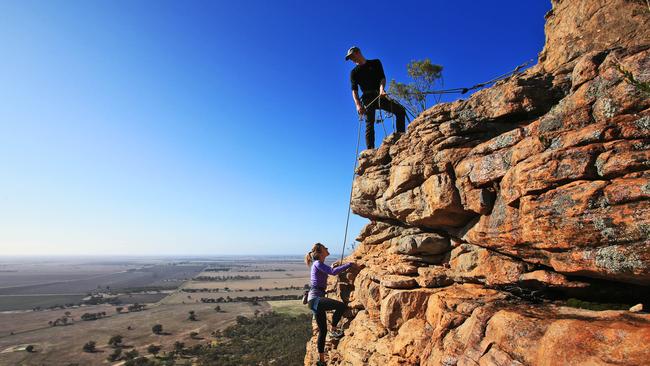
(336, 334)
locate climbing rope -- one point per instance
(354, 173)
(476, 86)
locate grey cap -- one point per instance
(351, 51)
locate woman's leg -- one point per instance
(321, 321)
(338, 313)
(331, 304)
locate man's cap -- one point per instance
(351, 51)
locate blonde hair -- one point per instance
(314, 254)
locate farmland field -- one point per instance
(58, 345)
(36, 294)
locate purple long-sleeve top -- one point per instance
(319, 272)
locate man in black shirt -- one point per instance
(369, 75)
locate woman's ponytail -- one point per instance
(314, 254)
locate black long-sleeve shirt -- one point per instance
(367, 76)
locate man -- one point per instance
(369, 75)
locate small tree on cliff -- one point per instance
(413, 96)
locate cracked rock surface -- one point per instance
(491, 212)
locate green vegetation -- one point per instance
(251, 299)
(271, 338)
(630, 79)
(413, 96)
(290, 307)
(598, 306)
(192, 316)
(93, 316)
(157, 329)
(131, 354)
(89, 347)
(64, 320)
(136, 307)
(153, 349)
(143, 361)
(115, 341)
(225, 278)
(116, 355)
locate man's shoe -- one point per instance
(321, 363)
(336, 334)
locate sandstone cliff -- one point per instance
(490, 213)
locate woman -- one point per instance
(317, 301)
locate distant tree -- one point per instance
(414, 95)
(67, 313)
(29, 348)
(153, 349)
(92, 316)
(119, 309)
(141, 361)
(116, 355)
(131, 354)
(192, 316)
(157, 329)
(179, 347)
(89, 347)
(115, 341)
(136, 307)
(257, 312)
(217, 309)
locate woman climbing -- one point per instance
(316, 299)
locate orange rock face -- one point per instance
(491, 212)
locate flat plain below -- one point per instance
(61, 345)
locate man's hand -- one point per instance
(361, 110)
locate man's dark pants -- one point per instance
(387, 105)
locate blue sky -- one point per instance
(210, 127)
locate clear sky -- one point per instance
(210, 127)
